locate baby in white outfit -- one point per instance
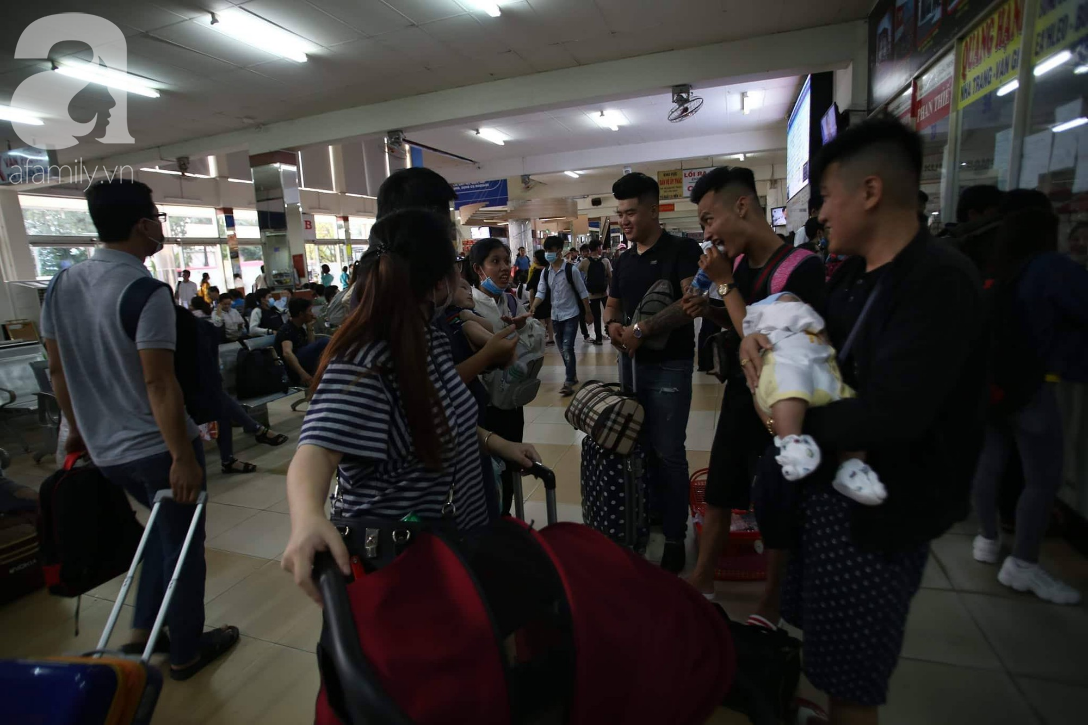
(799, 371)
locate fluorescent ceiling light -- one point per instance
(571, 174)
(740, 157)
(94, 73)
(240, 181)
(611, 120)
(750, 100)
(1070, 124)
(1008, 88)
(1052, 62)
(18, 115)
(1081, 70)
(172, 172)
(248, 28)
(491, 8)
(361, 196)
(492, 135)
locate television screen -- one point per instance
(778, 216)
(797, 142)
(829, 124)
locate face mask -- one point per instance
(551, 256)
(490, 287)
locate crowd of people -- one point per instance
(882, 376)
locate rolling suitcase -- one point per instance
(547, 476)
(614, 490)
(101, 686)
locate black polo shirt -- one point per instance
(632, 276)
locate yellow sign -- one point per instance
(989, 56)
(671, 183)
(1060, 24)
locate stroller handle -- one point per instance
(364, 700)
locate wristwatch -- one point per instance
(637, 331)
(725, 288)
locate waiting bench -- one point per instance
(228, 366)
(25, 388)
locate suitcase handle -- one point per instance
(547, 476)
(364, 699)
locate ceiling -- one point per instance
(574, 129)
(373, 50)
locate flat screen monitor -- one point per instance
(829, 124)
(778, 216)
(797, 141)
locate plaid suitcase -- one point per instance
(608, 415)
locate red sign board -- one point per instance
(934, 94)
(666, 207)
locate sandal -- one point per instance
(229, 467)
(162, 646)
(275, 440)
(212, 644)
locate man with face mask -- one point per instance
(125, 408)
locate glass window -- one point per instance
(194, 222)
(51, 259)
(56, 216)
(326, 227)
(252, 257)
(932, 106)
(245, 224)
(168, 264)
(359, 226)
(334, 255)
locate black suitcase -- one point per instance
(614, 492)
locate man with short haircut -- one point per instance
(521, 264)
(564, 285)
(186, 290)
(916, 364)
(663, 376)
(295, 343)
(125, 409)
(978, 218)
(227, 318)
(738, 232)
(597, 272)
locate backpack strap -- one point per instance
(570, 279)
(768, 269)
(133, 301)
(785, 267)
(512, 304)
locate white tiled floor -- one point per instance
(974, 652)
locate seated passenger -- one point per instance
(225, 316)
(201, 309)
(389, 411)
(264, 319)
(295, 343)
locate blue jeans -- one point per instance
(664, 389)
(308, 357)
(142, 479)
(232, 413)
(565, 333)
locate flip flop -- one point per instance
(228, 466)
(162, 646)
(212, 644)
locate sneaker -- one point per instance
(988, 551)
(598, 341)
(1025, 577)
(567, 390)
(674, 557)
(857, 481)
(798, 456)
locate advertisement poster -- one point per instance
(494, 193)
(671, 183)
(990, 54)
(904, 28)
(691, 176)
(1059, 25)
(934, 100)
(930, 13)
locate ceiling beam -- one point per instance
(793, 53)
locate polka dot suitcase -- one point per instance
(614, 494)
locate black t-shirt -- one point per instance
(844, 307)
(632, 276)
(291, 332)
(806, 281)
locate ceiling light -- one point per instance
(1008, 88)
(246, 27)
(94, 73)
(740, 157)
(1052, 62)
(745, 104)
(240, 181)
(172, 172)
(18, 115)
(611, 120)
(491, 8)
(1081, 70)
(571, 174)
(750, 100)
(492, 135)
(1070, 124)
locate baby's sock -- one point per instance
(856, 480)
(798, 455)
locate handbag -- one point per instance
(611, 417)
(658, 297)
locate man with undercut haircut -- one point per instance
(912, 310)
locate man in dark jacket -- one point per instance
(914, 310)
(978, 217)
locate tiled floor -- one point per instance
(974, 650)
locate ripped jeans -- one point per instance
(664, 389)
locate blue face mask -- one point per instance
(551, 256)
(490, 287)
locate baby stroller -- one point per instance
(511, 625)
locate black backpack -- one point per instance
(547, 283)
(260, 373)
(196, 357)
(1016, 370)
(87, 531)
(596, 278)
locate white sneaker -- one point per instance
(988, 551)
(1025, 577)
(856, 480)
(798, 456)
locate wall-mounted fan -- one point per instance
(685, 103)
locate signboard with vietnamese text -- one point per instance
(1059, 25)
(990, 54)
(29, 165)
(692, 176)
(671, 183)
(493, 193)
(934, 93)
(902, 107)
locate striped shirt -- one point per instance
(357, 411)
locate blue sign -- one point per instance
(493, 193)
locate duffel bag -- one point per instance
(612, 418)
